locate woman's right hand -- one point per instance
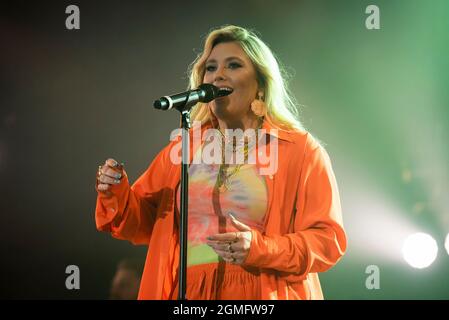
(109, 174)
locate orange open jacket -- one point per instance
(303, 232)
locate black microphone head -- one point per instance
(210, 92)
(157, 104)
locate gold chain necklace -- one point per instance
(223, 178)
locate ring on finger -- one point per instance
(99, 173)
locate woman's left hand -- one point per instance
(233, 247)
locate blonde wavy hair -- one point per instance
(282, 111)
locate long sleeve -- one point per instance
(130, 212)
(318, 240)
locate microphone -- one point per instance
(206, 92)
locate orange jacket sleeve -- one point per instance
(130, 212)
(318, 239)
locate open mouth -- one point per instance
(224, 91)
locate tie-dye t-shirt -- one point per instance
(209, 208)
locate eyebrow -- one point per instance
(227, 59)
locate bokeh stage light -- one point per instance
(419, 250)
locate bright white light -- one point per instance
(446, 243)
(420, 250)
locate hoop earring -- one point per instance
(258, 106)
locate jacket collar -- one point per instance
(276, 132)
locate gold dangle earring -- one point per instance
(258, 106)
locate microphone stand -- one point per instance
(185, 126)
(209, 93)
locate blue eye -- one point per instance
(234, 65)
(231, 65)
